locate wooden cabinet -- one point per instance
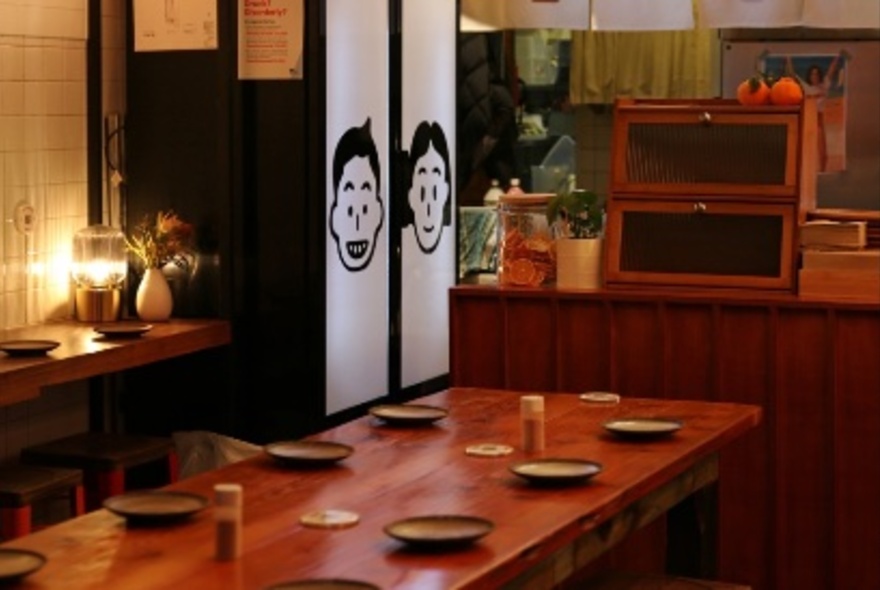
(798, 496)
(708, 193)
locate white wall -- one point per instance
(43, 164)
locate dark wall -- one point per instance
(233, 157)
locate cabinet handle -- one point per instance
(699, 207)
(705, 118)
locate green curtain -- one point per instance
(655, 64)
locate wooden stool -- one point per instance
(22, 485)
(103, 458)
(634, 581)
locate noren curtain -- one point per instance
(655, 64)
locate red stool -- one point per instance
(103, 458)
(23, 485)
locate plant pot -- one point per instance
(153, 301)
(579, 263)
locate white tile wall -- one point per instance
(43, 163)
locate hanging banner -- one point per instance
(357, 193)
(642, 15)
(429, 233)
(270, 39)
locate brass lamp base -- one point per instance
(97, 305)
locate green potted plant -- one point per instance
(576, 214)
(578, 221)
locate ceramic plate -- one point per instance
(439, 530)
(155, 506)
(556, 470)
(28, 347)
(408, 414)
(17, 563)
(308, 452)
(323, 584)
(643, 428)
(123, 329)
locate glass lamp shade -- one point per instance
(99, 268)
(99, 257)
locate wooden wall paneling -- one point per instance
(636, 345)
(476, 341)
(583, 358)
(856, 474)
(804, 402)
(745, 374)
(530, 343)
(689, 351)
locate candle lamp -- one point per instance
(99, 268)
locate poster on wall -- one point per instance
(428, 220)
(822, 76)
(270, 39)
(172, 25)
(357, 193)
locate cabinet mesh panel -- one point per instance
(715, 153)
(701, 243)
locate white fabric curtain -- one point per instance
(642, 15)
(721, 14)
(842, 14)
(528, 14)
(667, 15)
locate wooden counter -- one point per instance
(84, 353)
(798, 498)
(541, 534)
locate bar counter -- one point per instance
(84, 353)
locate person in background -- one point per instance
(487, 129)
(818, 84)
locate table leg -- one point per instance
(692, 535)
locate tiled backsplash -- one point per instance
(43, 180)
(42, 173)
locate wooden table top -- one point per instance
(84, 353)
(396, 473)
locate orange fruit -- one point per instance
(752, 91)
(786, 91)
(522, 272)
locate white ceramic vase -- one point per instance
(153, 300)
(579, 263)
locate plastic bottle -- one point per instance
(514, 188)
(490, 199)
(227, 513)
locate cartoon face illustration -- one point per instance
(357, 212)
(429, 191)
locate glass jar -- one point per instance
(526, 249)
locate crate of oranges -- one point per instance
(526, 249)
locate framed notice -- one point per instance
(270, 39)
(171, 25)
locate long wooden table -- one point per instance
(541, 534)
(84, 353)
